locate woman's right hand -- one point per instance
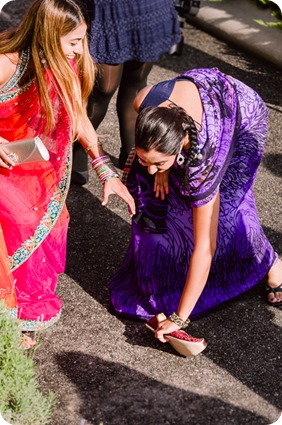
(5, 161)
(115, 186)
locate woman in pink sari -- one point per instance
(46, 75)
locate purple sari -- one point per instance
(153, 273)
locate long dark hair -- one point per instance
(164, 129)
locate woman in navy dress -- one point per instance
(126, 38)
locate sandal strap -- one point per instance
(273, 290)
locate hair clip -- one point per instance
(198, 154)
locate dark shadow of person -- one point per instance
(273, 162)
(97, 240)
(242, 338)
(114, 394)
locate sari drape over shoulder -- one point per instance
(232, 137)
(33, 215)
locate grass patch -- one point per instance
(21, 401)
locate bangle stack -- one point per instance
(178, 321)
(104, 168)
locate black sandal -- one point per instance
(274, 290)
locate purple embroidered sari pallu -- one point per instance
(232, 136)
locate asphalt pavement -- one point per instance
(111, 371)
(243, 24)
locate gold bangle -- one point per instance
(99, 143)
(179, 321)
(88, 148)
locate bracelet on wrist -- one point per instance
(89, 147)
(104, 168)
(178, 321)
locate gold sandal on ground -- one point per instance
(184, 344)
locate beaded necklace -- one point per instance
(20, 70)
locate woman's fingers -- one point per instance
(161, 186)
(165, 327)
(5, 161)
(115, 186)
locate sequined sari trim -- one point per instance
(47, 222)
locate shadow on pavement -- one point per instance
(114, 394)
(97, 240)
(242, 336)
(273, 162)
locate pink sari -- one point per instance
(33, 214)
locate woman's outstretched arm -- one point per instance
(205, 225)
(89, 141)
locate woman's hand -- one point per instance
(165, 327)
(161, 184)
(5, 161)
(115, 186)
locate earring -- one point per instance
(42, 57)
(180, 158)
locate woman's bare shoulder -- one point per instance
(186, 95)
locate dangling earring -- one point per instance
(180, 158)
(42, 57)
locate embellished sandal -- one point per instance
(183, 343)
(270, 290)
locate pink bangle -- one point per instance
(104, 168)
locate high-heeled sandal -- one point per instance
(270, 290)
(184, 344)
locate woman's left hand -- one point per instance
(165, 327)
(5, 160)
(115, 186)
(161, 184)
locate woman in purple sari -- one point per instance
(196, 238)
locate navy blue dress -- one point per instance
(124, 30)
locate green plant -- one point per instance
(21, 401)
(272, 5)
(276, 13)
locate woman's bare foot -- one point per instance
(275, 282)
(27, 342)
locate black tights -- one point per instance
(129, 78)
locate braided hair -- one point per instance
(163, 129)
